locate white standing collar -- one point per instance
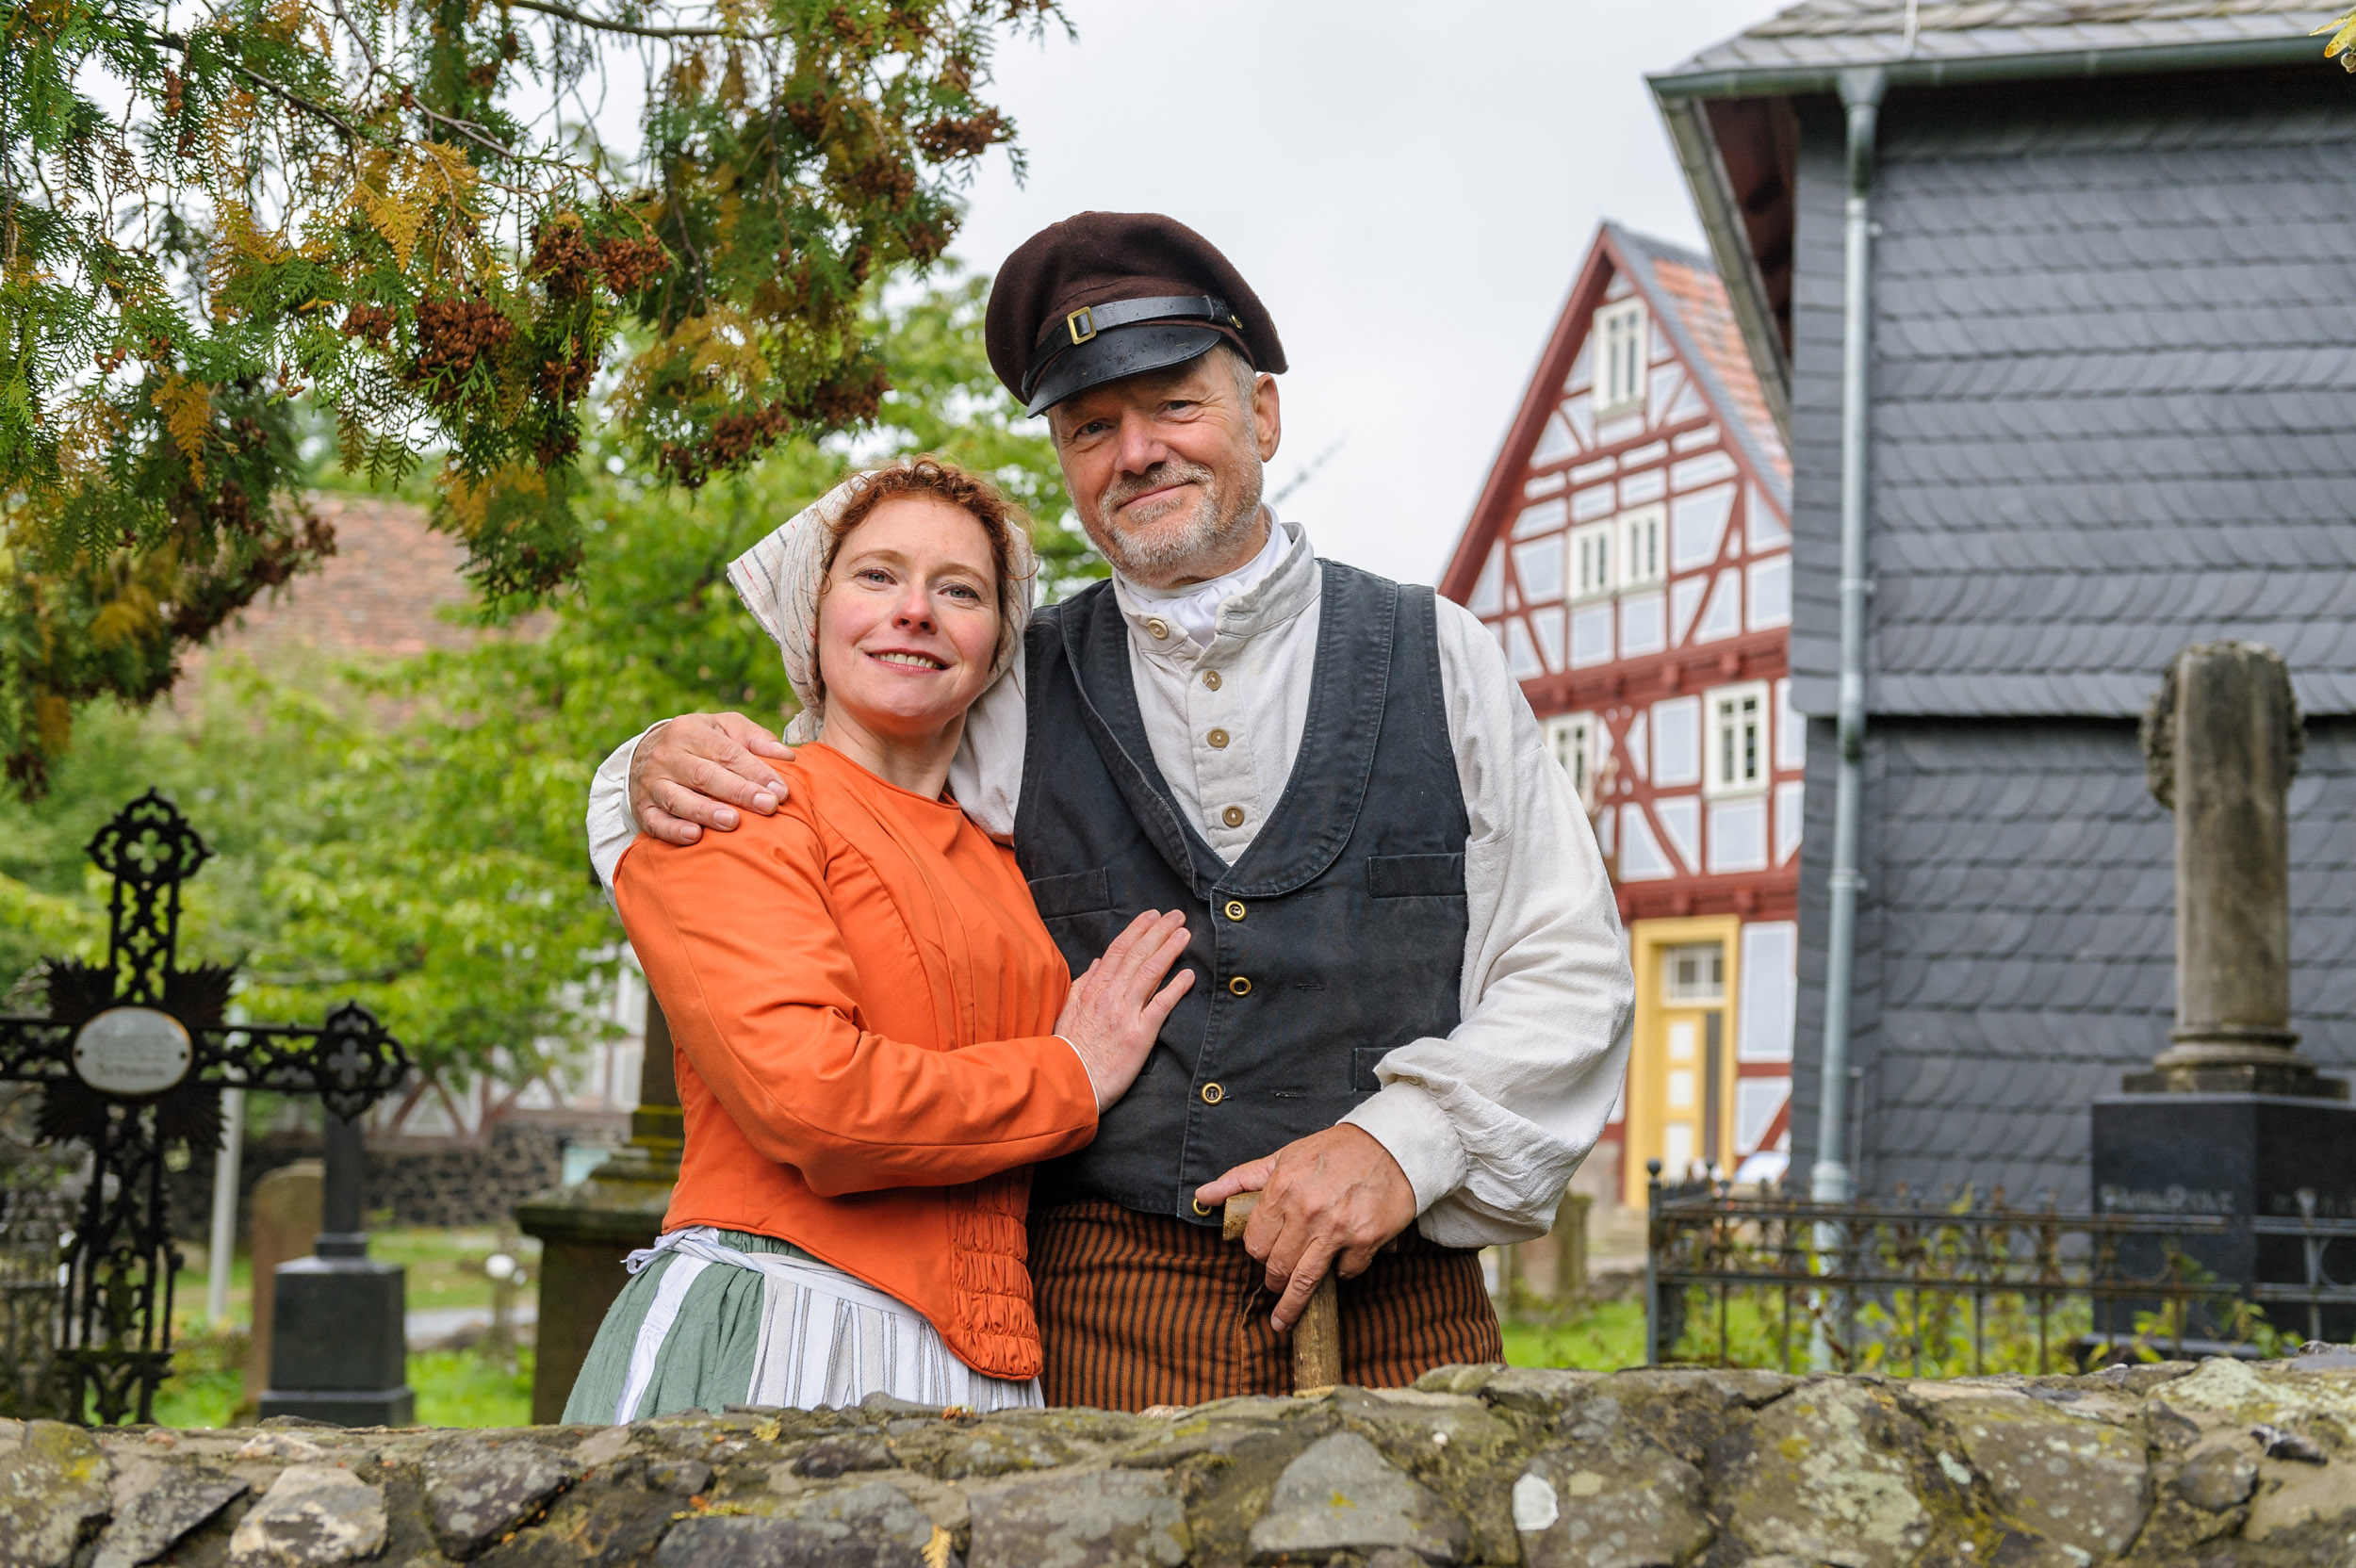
(1194, 609)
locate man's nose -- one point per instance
(1141, 445)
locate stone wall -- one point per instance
(2171, 1466)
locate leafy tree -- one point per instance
(403, 210)
(433, 866)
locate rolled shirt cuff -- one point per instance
(1408, 1122)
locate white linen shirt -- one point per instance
(1488, 1122)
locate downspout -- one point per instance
(1831, 1181)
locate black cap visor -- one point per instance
(1120, 352)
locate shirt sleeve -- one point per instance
(611, 828)
(740, 946)
(1490, 1122)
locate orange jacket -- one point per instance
(861, 994)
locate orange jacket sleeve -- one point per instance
(740, 946)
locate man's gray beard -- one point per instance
(1199, 546)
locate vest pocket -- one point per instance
(1415, 876)
(1081, 892)
(1362, 1064)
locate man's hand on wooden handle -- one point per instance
(696, 771)
(1332, 1199)
(1114, 1012)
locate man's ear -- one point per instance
(1267, 416)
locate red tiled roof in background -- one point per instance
(1701, 304)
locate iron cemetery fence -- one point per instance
(1768, 1279)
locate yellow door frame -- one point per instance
(1648, 1050)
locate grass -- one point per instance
(445, 1270)
(1600, 1336)
(454, 1388)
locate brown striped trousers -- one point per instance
(1140, 1309)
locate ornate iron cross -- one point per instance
(131, 1057)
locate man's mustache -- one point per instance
(1122, 492)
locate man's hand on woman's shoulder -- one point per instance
(693, 771)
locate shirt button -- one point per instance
(1213, 1094)
(1241, 985)
(1159, 627)
(1232, 816)
(1234, 909)
(1218, 739)
(1210, 678)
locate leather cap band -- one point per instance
(1073, 352)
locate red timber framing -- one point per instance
(1631, 552)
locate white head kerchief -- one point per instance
(779, 579)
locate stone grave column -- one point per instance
(339, 1351)
(2229, 1119)
(587, 1229)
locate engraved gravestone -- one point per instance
(130, 1056)
(2230, 1120)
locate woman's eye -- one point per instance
(963, 592)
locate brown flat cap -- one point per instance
(1104, 295)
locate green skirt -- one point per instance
(725, 1317)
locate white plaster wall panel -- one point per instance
(1612, 431)
(1521, 652)
(1666, 384)
(1790, 800)
(1618, 289)
(1554, 444)
(1687, 406)
(1547, 624)
(1648, 485)
(1660, 349)
(1685, 597)
(1790, 730)
(1539, 566)
(1638, 751)
(1643, 624)
(1680, 819)
(1709, 468)
(1738, 836)
(1544, 484)
(1587, 473)
(1762, 522)
(1677, 741)
(1513, 596)
(1607, 830)
(1722, 615)
(1488, 595)
(1582, 367)
(1771, 991)
(1540, 518)
(1591, 635)
(1695, 440)
(1757, 1103)
(1597, 500)
(1697, 527)
(1639, 456)
(1640, 856)
(1770, 597)
(1581, 420)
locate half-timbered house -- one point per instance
(1632, 551)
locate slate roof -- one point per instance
(2016, 940)
(2114, 375)
(1836, 33)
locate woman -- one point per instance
(876, 1036)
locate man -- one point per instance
(1418, 997)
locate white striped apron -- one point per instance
(826, 1339)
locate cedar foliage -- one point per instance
(400, 211)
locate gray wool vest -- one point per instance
(1336, 937)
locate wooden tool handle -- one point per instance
(1317, 1338)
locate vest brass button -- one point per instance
(1159, 627)
(1199, 1207)
(1218, 739)
(1213, 1094)
(1210, 678)
(1232, 816)
(1241, 985)
(1234, 909)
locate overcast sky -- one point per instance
(1410, 189)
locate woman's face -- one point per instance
(909, 625)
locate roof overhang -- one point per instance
(1684, 95)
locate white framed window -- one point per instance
(1644, 546)
(1624, 338)
(1571, 737)
(1737, 739)
(1693, 972)
(1593, 549)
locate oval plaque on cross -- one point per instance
(132, 1051)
